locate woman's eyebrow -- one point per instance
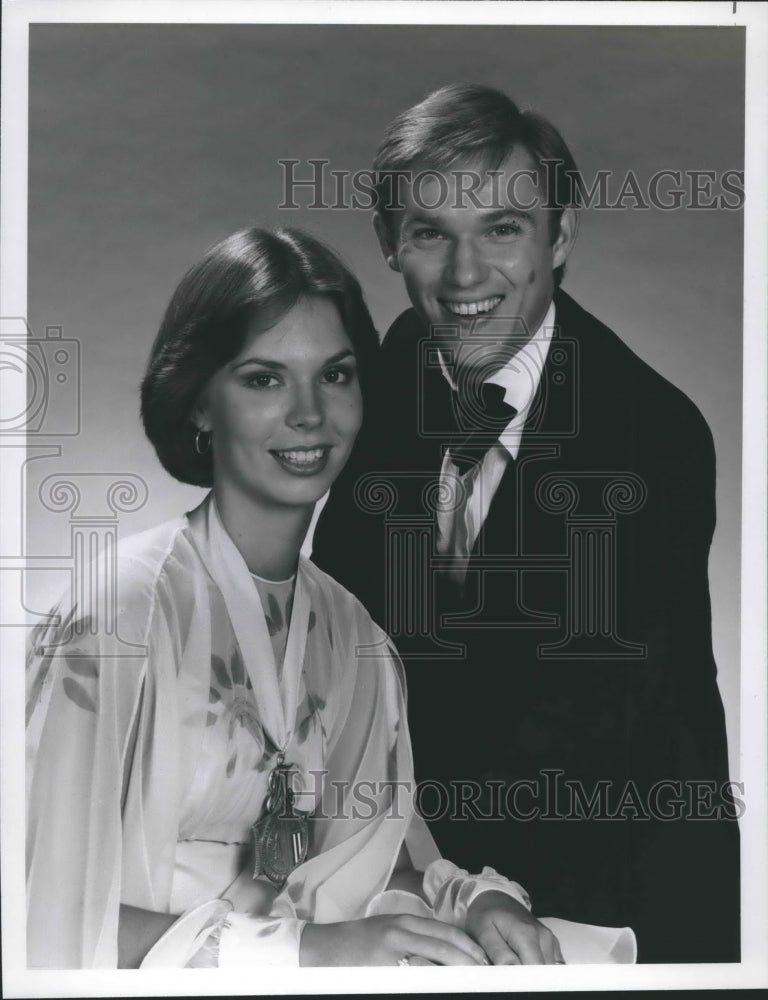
(278, 366)
(264, 362)
(339, 356)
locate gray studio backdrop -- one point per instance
(149, 142)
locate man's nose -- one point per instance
(306, 409)
(466, 265)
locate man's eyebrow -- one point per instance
(497, 215)
(422, 220)
(489, 216)
(278, 366)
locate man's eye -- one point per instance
(426, 234)
(338, 375)
(505, 229)
(262, 380)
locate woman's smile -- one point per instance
(303, 461)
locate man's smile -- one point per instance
(477, 307)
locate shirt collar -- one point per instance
(521, 375)
(520, 379)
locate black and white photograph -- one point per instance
(383, 549)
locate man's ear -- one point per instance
(385, 241)
(566, 237)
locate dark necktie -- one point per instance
(484, 415)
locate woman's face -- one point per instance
(285, 412)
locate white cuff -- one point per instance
(260, 941)
(452, 890)
(190, 939)
(394, 901)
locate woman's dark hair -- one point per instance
(468, 121)
(252, 278)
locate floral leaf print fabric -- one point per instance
(76, 693)
(50, 637)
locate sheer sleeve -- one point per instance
(82, 706)
(101, 771)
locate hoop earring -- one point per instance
(202, 450)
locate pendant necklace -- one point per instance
(280, 834)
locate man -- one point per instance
(529, 514)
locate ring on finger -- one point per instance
(405, 960)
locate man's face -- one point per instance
(478, 265)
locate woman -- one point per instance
(235, 789)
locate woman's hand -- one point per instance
(384, 940)
(509, 934)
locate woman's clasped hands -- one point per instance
(499, 931)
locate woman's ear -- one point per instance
(385, 242)
(199, 415)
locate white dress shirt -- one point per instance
(459, 523)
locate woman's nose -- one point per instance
(306, 407)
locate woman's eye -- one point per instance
(338, 375)
(262, 380)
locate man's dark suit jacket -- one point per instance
(588, 657)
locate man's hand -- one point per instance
(509, 934)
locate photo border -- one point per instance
(753, 970)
